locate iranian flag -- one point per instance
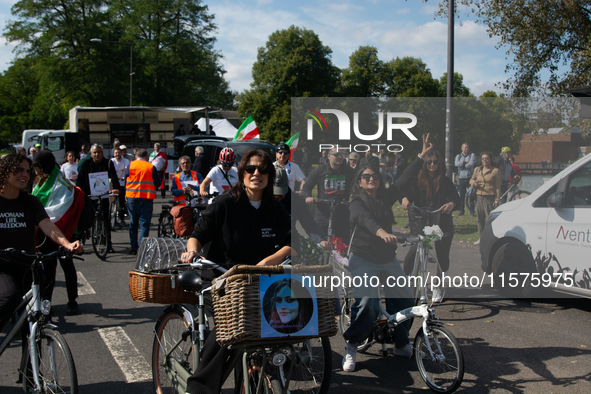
(293, 143)
(247, 130)
(63, 201)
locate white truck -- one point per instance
(56, 141)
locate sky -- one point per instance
(397, 28)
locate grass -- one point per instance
(466, 226)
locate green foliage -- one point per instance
(550, 42)
(293, 63)
(365, 75)
(410, 77)
(174, 62)
(460, 90)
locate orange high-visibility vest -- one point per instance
(140, 183)
(179, 185)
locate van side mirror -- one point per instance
(555, 200)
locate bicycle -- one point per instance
(98, 232)
(47, 365)
(166, 221)
(289, 365)
(514, 194)
(437, 352)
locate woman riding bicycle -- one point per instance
(433, 190)
(244, 226)
(373, 253)
(20, 212)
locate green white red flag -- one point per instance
(247, 130)
(293, 141)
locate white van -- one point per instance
(59, 142)
(543, 240)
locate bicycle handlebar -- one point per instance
(423, 210)
(61, 252)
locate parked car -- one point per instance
(545, 237)
(213, 145)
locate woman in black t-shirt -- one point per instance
(19, 214)
(243, 226)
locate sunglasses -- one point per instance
(374, 176)
(353, 159)
(338, 154)
(435, 162)
(283, 152)
(251, 169)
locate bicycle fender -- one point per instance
(181, 310)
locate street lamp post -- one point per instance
(130, 63)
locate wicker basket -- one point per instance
(237, 302)
(158, 289)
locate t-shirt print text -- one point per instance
(11, 220)
(267, 233)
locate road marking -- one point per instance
(84, 288)
(132, 363)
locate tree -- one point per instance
(550, 42)
(409, 77)
(365, 75)
(293, 63)
(460, 90)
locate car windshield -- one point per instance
(242, 147)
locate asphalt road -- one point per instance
(509, 346)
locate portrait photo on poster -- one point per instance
(288, 308)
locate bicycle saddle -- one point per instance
(190, 280)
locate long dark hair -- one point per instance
(375, 205)
(431, 186)
(239, 192)
(9, 165)
(305, 306)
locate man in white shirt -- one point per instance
(121, 165)
(294, 172)
(221, 177)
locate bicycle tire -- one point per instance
(444, 374)
(166, 225)
(114, 208)
(57, 372)
(519, 194)
(313, 366)
(99, 237)
(345, 322)
(169, 330)
(271, 385)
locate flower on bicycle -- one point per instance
(339, 245)
(432, 234)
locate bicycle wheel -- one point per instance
(169, 331)
(166, 225)
(114, 208)
(345, 323)
(99, 237)
(57, 372)
(519, 194)
(271, 385)
(444, 372)
(313, 366)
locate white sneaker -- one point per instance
(437, 294)
(406, 351)
(349, 358)
(477, 242)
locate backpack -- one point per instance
(182, 217)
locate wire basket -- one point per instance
(417, 220)
(159, 289)
(159, 254)
(236, 300)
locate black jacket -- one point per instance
(331, 184)
(364, 223)
(201, 165)
(298, 209)
(241, 234)
(89, 167)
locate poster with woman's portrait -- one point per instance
(288, 308)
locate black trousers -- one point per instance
(442, 248)
(50, 269)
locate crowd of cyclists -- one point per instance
(258, 205)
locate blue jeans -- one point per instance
(463, 184)
(367, 304)
(140, 214)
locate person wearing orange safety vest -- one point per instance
(140, 190)
(178, 187)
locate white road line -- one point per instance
(84, 288)
(132, 364)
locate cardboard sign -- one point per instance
(288, 308)
(99, 183)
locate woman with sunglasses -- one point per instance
(243, 226)
(433, 190)
(373, 254)
(487, 182)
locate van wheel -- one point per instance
(513, 258)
